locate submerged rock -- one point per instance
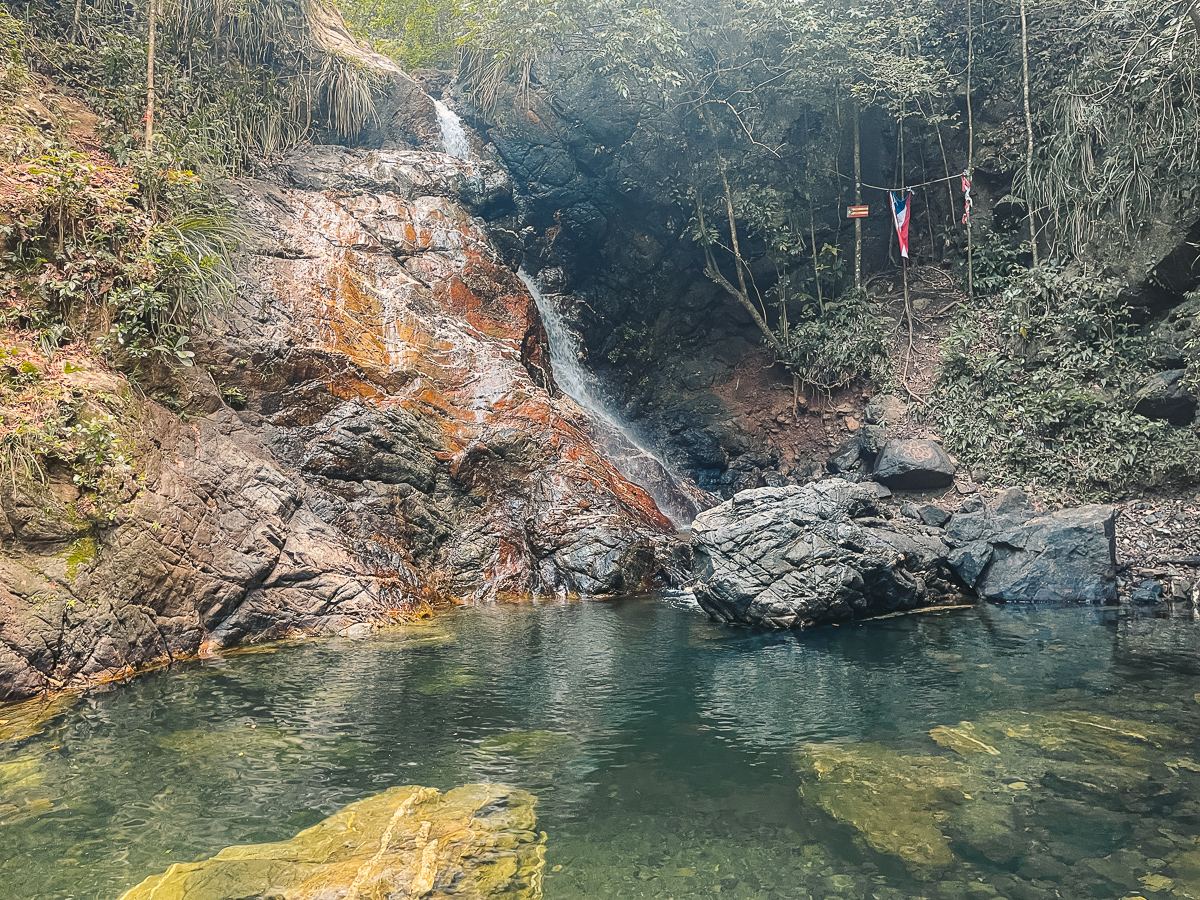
(794, 557)
(888, 797)
(528, 743)
(925, 809)
(474, 842)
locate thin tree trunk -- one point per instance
(970, 146)
(1028, 135)
(857, 201)
(150, 74)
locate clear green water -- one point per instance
(667, 770)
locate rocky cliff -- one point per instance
(399, 441)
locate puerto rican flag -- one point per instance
(901, 207)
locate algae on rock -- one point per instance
(528, 743)
(892, 799)
(475, 842)
(916, 807)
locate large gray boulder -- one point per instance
(914, 465)
(1007, 551)
(798, 556)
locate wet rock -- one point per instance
(1148, 593)
(401, 445)
(926, 513)
(800, 556)
(1164, 396)
(474, 842)
(914, 465)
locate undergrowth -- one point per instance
(1040, 387)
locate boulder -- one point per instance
(926, 513)
(1163, 396)
(1148, 593)
(914, 465)
(799, 556)
(1007, 551)
(885, 409)
(476, 842)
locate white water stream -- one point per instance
(454, 136)
(576, 383)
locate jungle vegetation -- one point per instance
(1081, 120)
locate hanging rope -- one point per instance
(907, 187)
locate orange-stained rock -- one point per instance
(398, 446)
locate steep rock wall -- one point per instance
(400, 443)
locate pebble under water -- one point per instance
(1017, 752)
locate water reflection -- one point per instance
(662, 748)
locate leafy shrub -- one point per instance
(837, 341)
(1041, 387)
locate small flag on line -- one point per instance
(901, 207)
(856, 212)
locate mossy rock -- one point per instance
(447, 684)
(24, 720)
(528, 743)
(475, 842)
(894, 801)
(209, 743)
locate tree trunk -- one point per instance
(970, 146)
(1028, 135)
(150, 74)
(857, 201)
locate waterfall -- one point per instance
(638, 464)
(454, 136)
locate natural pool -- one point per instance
(669, 754)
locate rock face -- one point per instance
(794, 557)
(477, 842)
(399, 442)
(1007, 551)
(914, 465)
(1164, 396)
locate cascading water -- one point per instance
(454, 136)
(643, 467)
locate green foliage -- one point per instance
(1041, 388)
(14, 74)
(629, 43)
(835, 342)
(346, 89)
(78, 244)
(1120, 119)
(47, 423)
(417, 34)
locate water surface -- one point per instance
(661, 747)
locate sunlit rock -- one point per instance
(474, 842)
(800, 556)
(891, 799)
(23, 720)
